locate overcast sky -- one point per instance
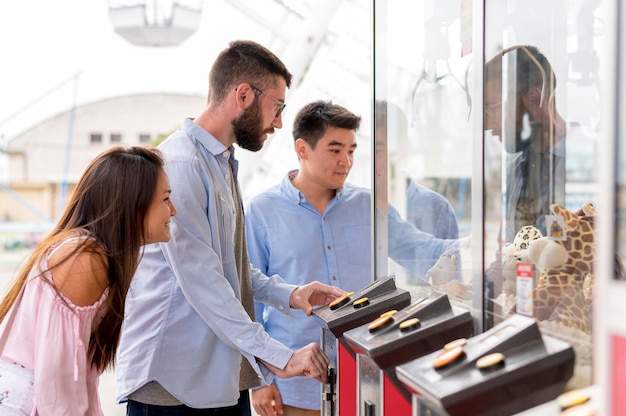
(46, 45)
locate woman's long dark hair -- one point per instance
(109, 206)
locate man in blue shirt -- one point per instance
(189, 308)
(315, 226)
(426, 209)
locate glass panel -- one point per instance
(423, 137)
(620, 209)
(541, 117)
(541, 121)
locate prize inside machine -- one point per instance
(397, 337)
(343, 314)
(503, 371)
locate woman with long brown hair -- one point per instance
(62, 317)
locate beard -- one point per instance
(248, 128)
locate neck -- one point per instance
(317, 195)
(215, 121)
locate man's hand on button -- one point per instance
(313, 294)
(309, 361)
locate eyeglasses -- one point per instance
(279, 106)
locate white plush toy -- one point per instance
(445, 269)
(517, 252)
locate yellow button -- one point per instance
(490, 361)
(389, 313)
(380, 323)
(359, 303)
(456, 343)
(409, 324)
(447, 357)
(340, 301)
(572, 398)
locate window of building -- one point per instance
(144, 138)
(95, 137)
(116, 137)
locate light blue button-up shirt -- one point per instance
(288, 236)
(184, 324)
(430, 211)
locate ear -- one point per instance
(244, 94)
(302, 148)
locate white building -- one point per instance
(46, 161)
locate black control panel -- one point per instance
(505, 370)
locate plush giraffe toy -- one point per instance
(565, 270)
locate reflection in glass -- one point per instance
(423, 130)
(540, 120)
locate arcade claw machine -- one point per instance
(498, 107)
(395, 338)
(344, 314)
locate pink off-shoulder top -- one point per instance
(50, 336)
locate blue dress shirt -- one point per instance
(184, 324)
(288, 236)
(430, 211)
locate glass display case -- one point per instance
(610, 291)
(487, 119)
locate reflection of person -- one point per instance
(535, 132)
(62, 317)
(188, 314)
(427, 210)
(430, 211)
(527, 123)
(314, 225)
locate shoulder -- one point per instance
(178, 148)
(354, 192)
(79, 271)
(268, 197)
(425, 194)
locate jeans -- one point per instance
(242, 408)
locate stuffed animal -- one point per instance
(446, 268)
(512, 254)
(525, 236)
(565, 270)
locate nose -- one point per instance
(172, 209)
(277, 123)
(346, 159)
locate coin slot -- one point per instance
(416, 305)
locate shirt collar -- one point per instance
(294, 193)
(207, 140)
(210, 143)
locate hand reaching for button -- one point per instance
(308, 361)
(313, 294)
